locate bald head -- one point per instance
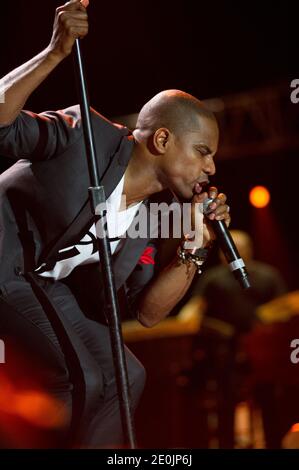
(173, 109)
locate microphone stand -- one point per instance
(97, 200)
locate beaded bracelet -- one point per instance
(197, 256)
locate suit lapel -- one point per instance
(126, 259)
(83, 220)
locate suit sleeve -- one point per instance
(48, 134)
(40, 136)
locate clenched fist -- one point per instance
(71, 23)
(219, 210)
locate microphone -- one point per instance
(228, 247)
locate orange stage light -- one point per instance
(295, 427)
(35, 406)
(259, 196)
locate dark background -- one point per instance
(236, 51)
(135, 49)
(209, 49)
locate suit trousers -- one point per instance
(51, 345)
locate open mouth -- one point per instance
(200, 186)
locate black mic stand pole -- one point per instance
(98, 204)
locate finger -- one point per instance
(221, 209)
(224, 216)
(74, 26)
(85, 3)
(77, 32)
(73, 15)
(75, 22)
(218, 202)
(220, 199)
(222, 213)
(72, 5)
(213, 191)
(227, 221)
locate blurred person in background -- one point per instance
(228, 313)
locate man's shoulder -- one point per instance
(71, 115)
(118, 128)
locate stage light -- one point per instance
(259, 196)
(295, 427)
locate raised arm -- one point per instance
(70, 23)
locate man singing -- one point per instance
(50, 291)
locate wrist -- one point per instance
(190, 244)
(194, 256)
(53, 56)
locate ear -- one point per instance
(161, 139)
